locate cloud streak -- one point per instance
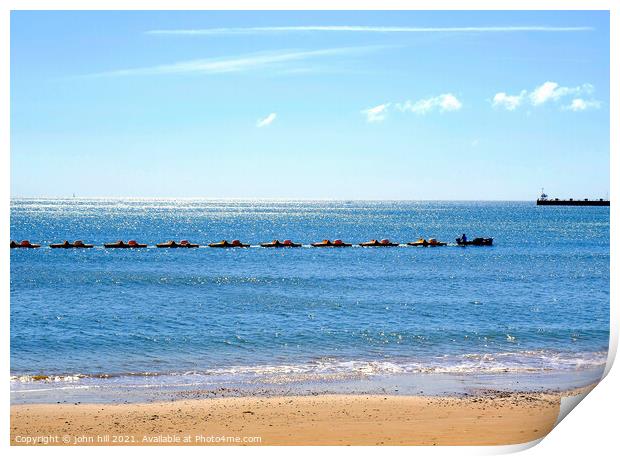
(266, 121)
(238, 64)
(377, 113)
(367, 29)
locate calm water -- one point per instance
(538, 301)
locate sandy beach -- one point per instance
(490, 419)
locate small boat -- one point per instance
(121, 245)
(475, 241)
(25, 244)
(173, 245)
(328, 243)
(71, 245)
(432, 242)
(276, 243)
(381, 243)
(226, 244)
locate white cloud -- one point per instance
(579, 104)
(449, 102)
(237, 64)
(266, 121)
(549, 91)
(553, 91)
(543, 93)
(444, 102)
(377, 113)
(509, 102)
(367, 29)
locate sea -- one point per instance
(529, 313)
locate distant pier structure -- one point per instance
(544, 200)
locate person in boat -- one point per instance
(463, 238)
(475, 241)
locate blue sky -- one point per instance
(352, 105)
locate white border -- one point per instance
(591, 429)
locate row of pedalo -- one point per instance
(132, 244)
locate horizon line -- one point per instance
(256, 198)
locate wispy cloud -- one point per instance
(238, 64)
(266, 121)
(368, 29)
(579, 104)
(377, 113)
(548, 92)
(444, 102)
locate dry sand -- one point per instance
(491, 419)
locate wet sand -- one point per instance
(488, 419)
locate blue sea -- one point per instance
(532, 311)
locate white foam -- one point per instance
(471, 363)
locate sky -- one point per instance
(338, 105)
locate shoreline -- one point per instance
(487, 418)
(163, 388)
